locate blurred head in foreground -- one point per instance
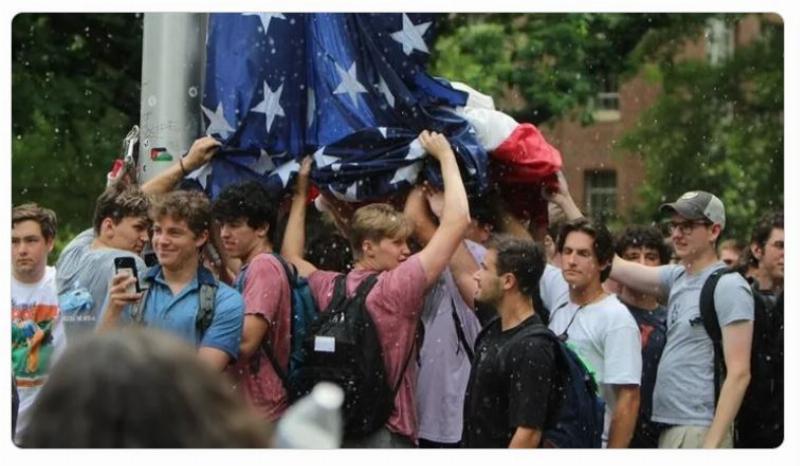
(138, 388)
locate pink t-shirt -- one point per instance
(266, 294)
(394, 304)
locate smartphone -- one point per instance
(128, 266)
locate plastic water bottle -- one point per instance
(314, 422)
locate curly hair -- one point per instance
(640, 236)
(193, 207)
(138, 388)
(249, 201)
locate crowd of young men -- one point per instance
(453, 317)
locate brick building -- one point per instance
(604, 181)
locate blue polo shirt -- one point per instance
(177, 314)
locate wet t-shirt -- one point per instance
(394, 304)
(513, 384)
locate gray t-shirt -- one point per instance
(684, 391)
(80, 266)
(444, 367)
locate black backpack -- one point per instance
(579, 423)
(759, 422)
(343, 347)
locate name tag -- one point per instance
(325, 344)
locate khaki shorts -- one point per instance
(689, 437)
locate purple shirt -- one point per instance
(444, 365)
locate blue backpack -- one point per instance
(579, 423)
(303, 313)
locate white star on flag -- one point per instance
(383, 130)
(286, 170)
(411, 36)
(264, 164)
(408, 173)
(349, 84)
(350, 196)
(311, 109)
(322, 159)
(415, 150)
(271, 105)
(217, 124)
(265, 19)
(386, 92)
(201, 175)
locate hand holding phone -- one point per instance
(127, 265)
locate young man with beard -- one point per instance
(378, 235)
(181, 222)
(684, 396)
(598, 327)
(247, 216)
(513, 386)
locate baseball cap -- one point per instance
(697, 205)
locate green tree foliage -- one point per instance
(554, 63)
(716, 127)
(75, 94)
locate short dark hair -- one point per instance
(193, 207)
(120, 201)
(603, 244)
(638, 236)
(520, 257)
(485, 209)
(763, 230)
(249, 200)
(764, 227)
(45, 217)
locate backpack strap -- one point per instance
(708, 313)
(460, 332)
(205, 313)
(266, 343)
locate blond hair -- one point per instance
(375, 222)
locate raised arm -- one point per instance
(294, 238)
(562, 198)
(118, 298)
(642, 278)
(420, 208)
(455, 217)
(199, 154)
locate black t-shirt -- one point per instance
(513, 383)
(653, 328)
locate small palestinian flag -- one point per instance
(160, 154)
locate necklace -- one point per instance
(565, 335)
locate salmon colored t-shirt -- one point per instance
(266, 294)
(394, 304)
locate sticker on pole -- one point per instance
(160, 154)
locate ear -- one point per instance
(367, 248)
(716, 230)
(107, 227)
(262, 231)
(509, 281)
(201, 239)
(50, 243)
(757, 251)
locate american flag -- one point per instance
(351, 89)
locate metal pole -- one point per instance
(173, 62)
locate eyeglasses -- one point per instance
(687, 227)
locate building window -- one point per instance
(606, 102)
(720, 41)
(601, 194)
